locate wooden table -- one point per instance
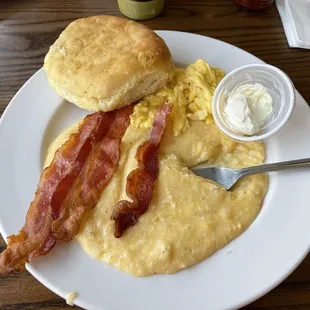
(29, 27)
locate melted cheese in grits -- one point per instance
(189, 217)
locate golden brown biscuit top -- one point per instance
(95, 56)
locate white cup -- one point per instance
(279, 86)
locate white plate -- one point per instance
(244, 270)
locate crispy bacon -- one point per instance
(141, 181)
(98, 170)
(55, 185)
(36, 232)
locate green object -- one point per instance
(140, 10)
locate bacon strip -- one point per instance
(39, 217)
(141, 181)
(98, 170)
(55, 184)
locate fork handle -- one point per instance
(284, 165)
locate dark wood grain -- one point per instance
(28, 28)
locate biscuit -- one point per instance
(102, 63)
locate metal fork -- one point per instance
(228, 177)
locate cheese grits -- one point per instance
(189, 217)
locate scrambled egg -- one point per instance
(190, 91)
(189, 218)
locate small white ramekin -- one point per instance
(279, 86)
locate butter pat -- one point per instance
(247, 108)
